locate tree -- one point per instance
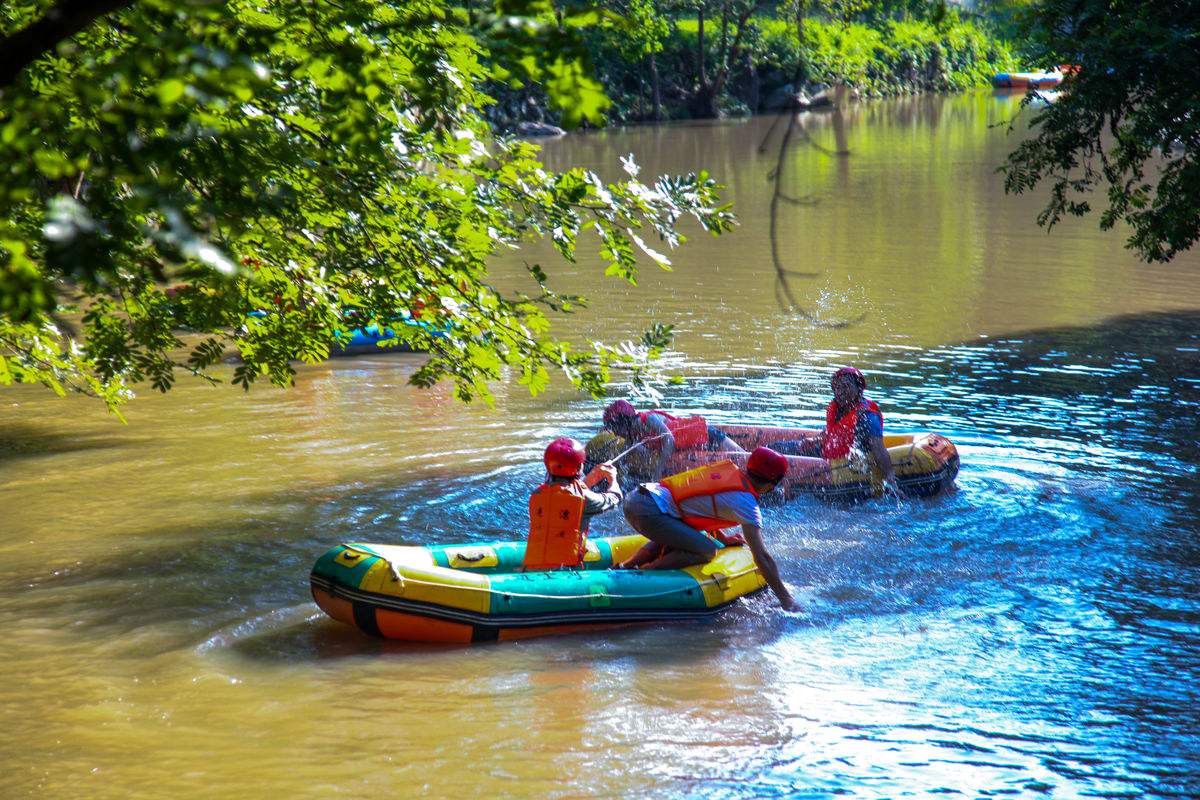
(1128, 120)
(648, 32)
(299, 170)
(706, 101)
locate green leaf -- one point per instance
(292, 170)
(170, 90)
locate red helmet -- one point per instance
(617, 410)
(564, 457)
(765, 464)
(855, 372)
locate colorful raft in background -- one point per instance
(925, 463)
(374, 339)
(475, 593)
(1028, 80)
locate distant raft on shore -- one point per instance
(468, 593)
(926, 464)
(1030, 80)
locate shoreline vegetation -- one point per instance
(705, 69)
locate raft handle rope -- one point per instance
(403, 580)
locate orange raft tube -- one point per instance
(926, 464)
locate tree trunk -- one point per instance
(801, 73)
(705, 102)
(751, 85)
(655, 88)
(723, 49)
(723, 72)
(700, 47)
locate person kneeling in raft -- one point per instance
(561, 508)
(662, 433)
(850, 419)
(675, 513)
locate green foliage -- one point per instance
(647, 30)
(1128, 121)
(891, 57)
(879, 48)
(535, 41)
(325, 162)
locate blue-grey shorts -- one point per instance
(649, 520)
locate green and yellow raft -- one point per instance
(477, 593)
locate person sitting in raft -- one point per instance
(684, 515)
(661, 434)
(850, 419)
(561, 508)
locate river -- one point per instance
(1035, 632)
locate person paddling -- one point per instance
(684, 516)
(662, 434)
(561, 509)
(850, 419)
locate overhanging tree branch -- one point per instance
(62, 21)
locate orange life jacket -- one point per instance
(709, 481)
(556, 537)
(688, 432)
(839, 433)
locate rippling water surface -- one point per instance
(1036, 632)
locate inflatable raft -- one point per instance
(374, 339)
(476, 593)
(1027, 80)
(925, 463)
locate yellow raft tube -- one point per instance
(476, 592)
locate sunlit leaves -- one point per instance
(1127, 123)
(269, 176)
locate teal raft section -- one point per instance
(375, 339)
(476, 592)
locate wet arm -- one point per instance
(664, 455)
(766, 565)
(656, 438)
(884, 460)
(598, 502)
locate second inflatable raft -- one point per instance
(925, 463)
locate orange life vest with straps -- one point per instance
(709, 481)
(556, 537)
(839, 432)
(688, 432)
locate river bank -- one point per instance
(703, 71)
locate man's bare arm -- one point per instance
(766, 565)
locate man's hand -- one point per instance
(601, 472)
(892, 487)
